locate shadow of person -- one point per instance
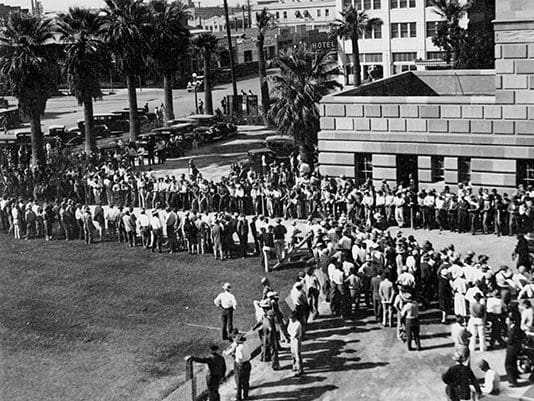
(301, 394)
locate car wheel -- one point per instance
(524, 365)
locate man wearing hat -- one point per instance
(410, 312)
(477, 323)
(458, 379)
(269, 349)
(227, 303)
(216, 371)
(242, 367)
(279, 234)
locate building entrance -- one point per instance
(406, 169)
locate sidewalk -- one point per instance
(348, 360)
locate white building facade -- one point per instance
(402, 43)
(315, 14)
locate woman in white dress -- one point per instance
(459, 286)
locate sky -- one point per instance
(62, 5)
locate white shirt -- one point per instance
(492, 382)
(294, 329)
(225, 300)
(242, 354)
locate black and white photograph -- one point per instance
(266, 200)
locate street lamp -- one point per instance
(195, 83)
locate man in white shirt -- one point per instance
(294, 329)
(492, 381)
(227, 303)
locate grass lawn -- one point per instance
(107, 322)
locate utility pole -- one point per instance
(245, 19)
(230, 49)
(249, 15)
(199, 16)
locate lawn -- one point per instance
(107, 322)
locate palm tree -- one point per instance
(353, 25)
(81, 32)
(29, 67)
(305, 77)
(264, 22)
(450, 36)
(207, 43)
(169, 39)
(126, 27)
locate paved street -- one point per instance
(65, 110)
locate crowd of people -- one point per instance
(356, 263)
(361, 270)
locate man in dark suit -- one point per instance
(242, 232)
(216, 372)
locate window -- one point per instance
(464, 169)
(363, 164)
(429, 3)
(437, 172)
(402, 3)
(285, 14)
(346, 4)
(404, 30)
(248, 56)
(435, 55)
(277, 15)
(525, 173)
(326, 12)
(318, 13)
(432, 28)
(367, 4)
(374, 33)
(298, 14)
(371, 58)
(403, 68)
(408, 57)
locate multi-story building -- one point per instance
(213, 19)
(314, 14)
(442, 127)
(403, 42)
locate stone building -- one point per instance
(442, 127)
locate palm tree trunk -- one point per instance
(264, 86)
(167, 95)
(207, 84)
(90, 142)
(306, 153)
(357, 66)
(132, 104)
(38, 157)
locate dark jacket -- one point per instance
(216, 365)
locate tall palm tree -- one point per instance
(81, 32)
(264, 22)
(305, 77)
(353, 25)
(127, 23)
(207, 43)
(169, 39)
(29, 67)
(450, 36)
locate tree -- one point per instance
(450, 36)
(353, 25)
(169, 40)
(81, 32)
(304, 78)
(127, 23)
(207, 43)
(264, 23)
(29, 67)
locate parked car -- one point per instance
(75, 141)
(185, 120)
(281, 145)
(57, 130)
(220, 131)
(205, 120)
(101, 130)
(115, 123)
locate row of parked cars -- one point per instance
(105, 125)
(204, 128)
